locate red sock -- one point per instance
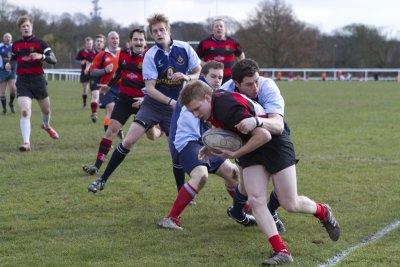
(321, 212)
(185, 195)
(230, 189)
(93, 107)
(277, 244)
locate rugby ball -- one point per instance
(216, 139)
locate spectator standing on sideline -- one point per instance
(94, 81)
(29, 53)
(221, 48)
(185, 143)
(104, 66)
(166, 67)
(130, 97)
(262, 157)
(84, 57)
(7, 77)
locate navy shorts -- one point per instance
(123, 108)
(188, 158)
(84, 78)
(276, 155)
(7, 75)
(32, 86)
(153, 112)
(109, 97)
(93, 82)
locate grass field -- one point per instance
(346, 135)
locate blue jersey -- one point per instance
(269, 95)
(185, 127)
(5, 51)
(159, 65)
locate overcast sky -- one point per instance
(326, 15)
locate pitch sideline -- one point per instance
(339, 257)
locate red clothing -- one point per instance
(21, 50)
(130, 70)
(101, 62)
(223, 51)
(87, 55)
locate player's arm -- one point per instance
(157, 95)
(116, 76)
(274, 124)
(194, 75)
(47, 56)
(259, 137)
(242, 56)
(12, 63)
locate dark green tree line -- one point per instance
(272, 35)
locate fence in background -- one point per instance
(278, 74)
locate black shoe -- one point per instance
(4, 111)
(330, 224)
(96, 186)
(90, 169)
(94, 117)
(278, 259)
(11, 107)
(247, 220)
(279, 224)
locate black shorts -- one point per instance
(123, 109)
(32, 86)
(276, 155)
(94, 81)
(84, 78)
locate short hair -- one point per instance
(212, 64)
(88, 39)
(22, 19)
(215, 20)
(98, 36)
(244, 68)
(138, 31)
(112, 32)
(157, 18)
(196, 90)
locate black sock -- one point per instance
(273, 203)
(105, 128)
(117, 157)
(12, 97)
(179, 175)
(3, 102)
(84, 98)
(239, 200)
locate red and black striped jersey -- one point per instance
(87, 55)
(229, 108)
(130, 72)
(21, 51)
(223, 51)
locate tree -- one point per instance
(275, 38)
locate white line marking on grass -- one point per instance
(374, 159)
(339, 257)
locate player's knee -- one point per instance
(25, 112)
(256, 201)
(289, 206)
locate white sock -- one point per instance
(25, 124)
(46, 120)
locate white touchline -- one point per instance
(336, 259)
